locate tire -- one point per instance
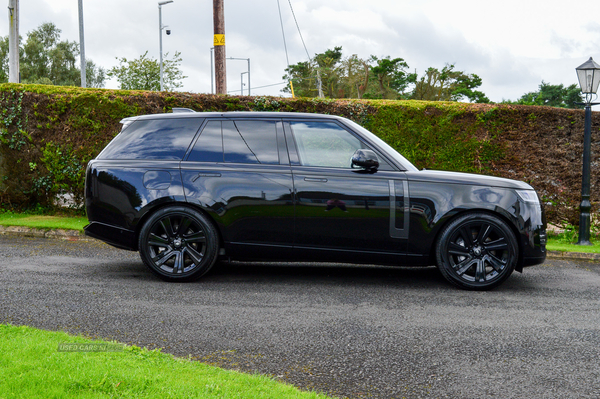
(477, 251)
(178, 244)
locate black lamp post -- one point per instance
(588, 74)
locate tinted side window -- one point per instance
(237, 142)
(209, 146)
(250, 142)
(324, 144)
(166, 139)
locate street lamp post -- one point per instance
(245, 59)
(242, 83)
(588, 75)
(160, 29)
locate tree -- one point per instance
(355, 74)
(350, 77)
(328, 68)
(45, 59)
(391, 76)
(94, 75)
(552, 96)
(448, 85)
(303, 79)
(4, 59)
(143, 73)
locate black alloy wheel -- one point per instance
(178, 244)
(477, 251)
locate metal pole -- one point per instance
(212, 72)
(242, 82)
(219, 43)
(82, 45)
(585, 206)
(13, 45)
(247, 59)
(160, 27)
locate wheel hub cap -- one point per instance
(177, 242)
(477, 251)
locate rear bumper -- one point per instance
(115, 236)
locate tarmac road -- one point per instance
(347, 331)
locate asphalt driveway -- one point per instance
(347, 331)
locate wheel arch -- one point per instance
(505, 218)
(144, 218)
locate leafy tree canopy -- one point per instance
(448, 85)
(392, 77)
(45, 59)
(552, 96)
(379, 77)
(352, 77)
(143, 73)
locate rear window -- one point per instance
(163, 139)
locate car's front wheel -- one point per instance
(477, 251)
(178, 244)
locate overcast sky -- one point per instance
(512, 44)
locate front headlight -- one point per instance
(529, 196)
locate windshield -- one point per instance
(395, 155)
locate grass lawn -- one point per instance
(564, 243)
(31, 366)
(43, 221)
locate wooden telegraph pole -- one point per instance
(219, 43)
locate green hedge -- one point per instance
(49, 133)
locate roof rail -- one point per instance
(180, 110)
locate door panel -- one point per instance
(238, 169)
(342, 210)
(251, 204)
(339, 207)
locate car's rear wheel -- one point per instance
(477, 251)
(178, 244)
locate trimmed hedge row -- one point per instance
(49, 133)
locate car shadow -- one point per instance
(324, 274)
(311, 274)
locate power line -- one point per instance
(283, 33)
(319, 84)
(260, 87)
(297, 26)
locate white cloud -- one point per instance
(512, 45)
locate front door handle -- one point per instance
(316, 179)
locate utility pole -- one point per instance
(13, 41)
(219, 43)
(82, 45)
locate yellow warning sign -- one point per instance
(219, 40)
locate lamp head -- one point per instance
(588, 75)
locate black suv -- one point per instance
(186, 188)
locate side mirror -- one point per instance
(365, 159)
